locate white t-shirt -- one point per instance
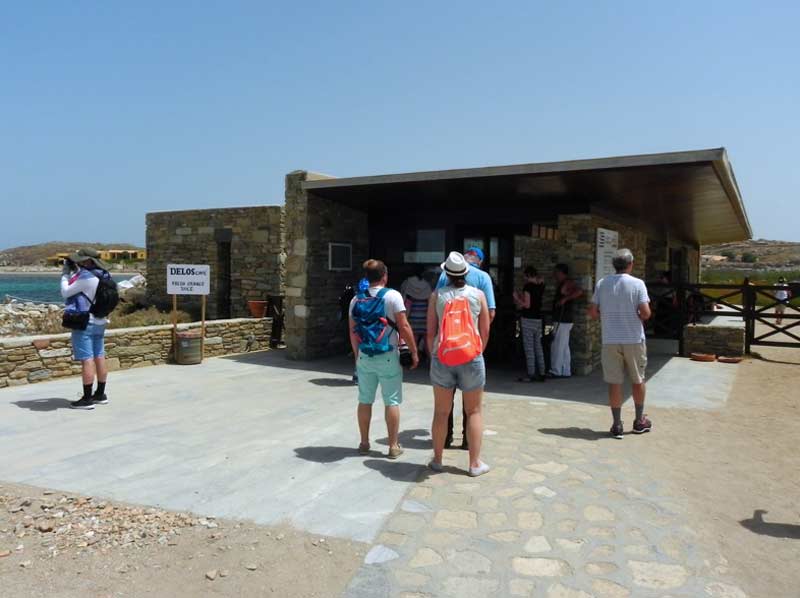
(619, 296)
(782, 295)
(393, 304)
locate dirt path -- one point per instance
(58, 544)
(738, 469)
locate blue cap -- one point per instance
(477, 251)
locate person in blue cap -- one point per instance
(481, 280)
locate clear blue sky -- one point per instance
(109, 110)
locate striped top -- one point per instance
(618, 297)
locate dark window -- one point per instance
(340, 256)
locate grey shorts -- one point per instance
(466, 377)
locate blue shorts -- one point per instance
(88, 344)
(466, 377)
(381, 369)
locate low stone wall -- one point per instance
(716, 340)
(25, 360)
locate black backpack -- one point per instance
(106, 297)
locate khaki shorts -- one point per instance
(619, 358)
(780, 308)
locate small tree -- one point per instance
(729, 255)
(749, 258)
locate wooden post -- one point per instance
(174, 321)
(202, 327)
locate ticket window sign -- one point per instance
(607, 245)
(188, 279)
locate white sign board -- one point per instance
(607, 245)
(188, 279)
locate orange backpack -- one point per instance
(459, 342)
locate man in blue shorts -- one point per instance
(480, 280)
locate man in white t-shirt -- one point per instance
(621, 303)
(375, 339)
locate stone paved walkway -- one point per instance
(565, 513)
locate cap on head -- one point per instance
(476, 251)
(455, 265)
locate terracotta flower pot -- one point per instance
(257, 308)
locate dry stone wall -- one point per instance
(727, 341)
(25, 360)
(312, 289)
(256, 236)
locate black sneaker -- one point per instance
(84, 403)
(617, 430)
(100, 400)
(642, 426)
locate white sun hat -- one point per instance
(455, 265)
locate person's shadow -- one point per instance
(576, 433)
(333, 382)
(412, 439)
(43, 404)
(757, 525)
(329, 454)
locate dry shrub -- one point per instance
(145, 317)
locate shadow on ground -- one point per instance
(576, 433)
(332, 382)
(327, 454)
(43, 404)
(335, 372)
(398, 471)
(412, 439)
(757, 525)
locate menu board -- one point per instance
(607, 245)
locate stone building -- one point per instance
(243, 246)
(661, 206)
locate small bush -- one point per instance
(145, 317)
(729, 255)
(749, 258)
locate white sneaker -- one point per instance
(481, 469)
(437, 467)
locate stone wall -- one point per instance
(727, 341)
(312, 290)
(25, 360)
(257, 240)
(542, 254)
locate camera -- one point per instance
(405, 356)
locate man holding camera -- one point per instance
(377, 323)
(82, 274)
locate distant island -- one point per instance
(46, 257)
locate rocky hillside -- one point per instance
(35, 255)
(755, 254)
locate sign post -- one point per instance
(189, 279)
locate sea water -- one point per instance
(36, 287)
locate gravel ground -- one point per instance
(66, 545)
